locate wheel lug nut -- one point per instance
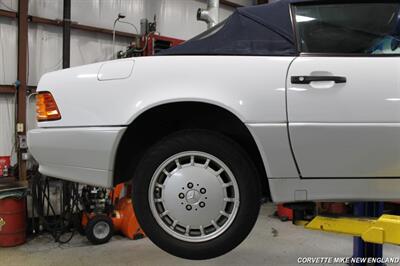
(188, 207)
(203, 190)
(202, 204)
(190, 185)
(181, 195)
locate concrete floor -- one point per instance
(272, 242)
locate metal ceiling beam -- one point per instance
(77, 26)
(45, 21)
(7, 89)
(60, 23)
(6, 13)
(10, 89)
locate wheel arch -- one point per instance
(160, 120)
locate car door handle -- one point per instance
(309, 79)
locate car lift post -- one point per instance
(362, 249)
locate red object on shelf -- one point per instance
(152, 40)
(12, 222)
(5, 161)
(284, 213)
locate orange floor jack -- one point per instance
(105, 214)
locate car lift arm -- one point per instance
(385, 229)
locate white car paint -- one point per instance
(258, 96)
(115, 70)
(348, 129)
(77, 154)
(95, 113)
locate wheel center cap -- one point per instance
(193, 196)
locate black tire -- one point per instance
(90, 229)
(234, 157)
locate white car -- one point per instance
(296, 100)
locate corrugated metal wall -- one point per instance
(176, 18)
(7, 121)
(8, 75)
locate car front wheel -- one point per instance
(196, 194)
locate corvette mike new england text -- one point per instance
(347, 260)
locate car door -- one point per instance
(343, 91)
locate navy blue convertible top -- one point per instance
(255, 30)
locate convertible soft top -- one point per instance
(256, 30)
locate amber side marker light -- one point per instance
(46, 107)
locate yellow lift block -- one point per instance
(384, 230)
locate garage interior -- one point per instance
(53, 216)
